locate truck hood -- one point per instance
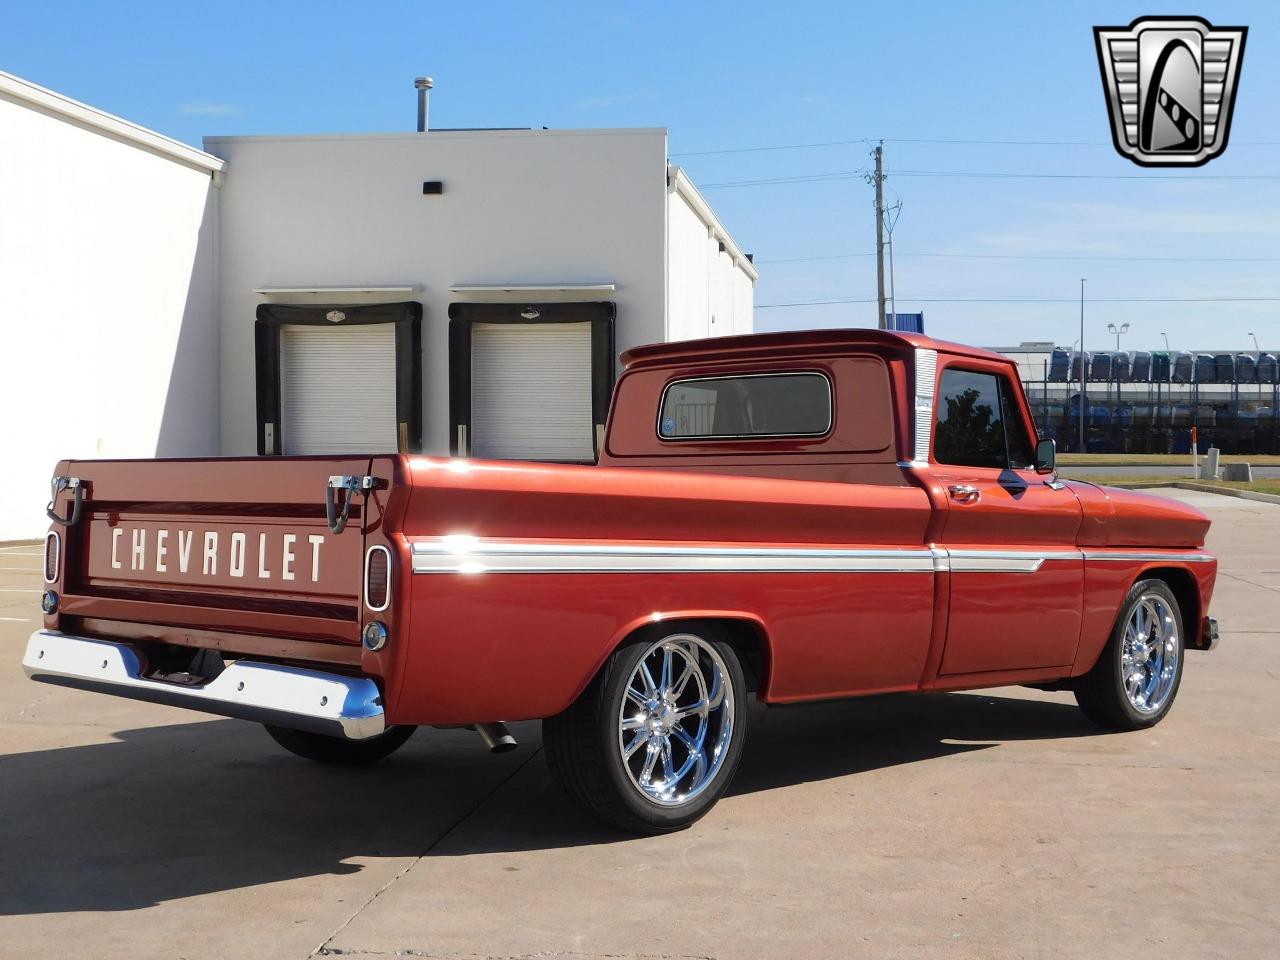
(1114, 517)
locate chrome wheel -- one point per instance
(676, 719)
(1149, 654)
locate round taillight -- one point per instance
(377, 578)
(375, 635)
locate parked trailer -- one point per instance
(1059, 365)
(1184, 367)
(1224, 368)
(1140, 369)
(1268, 368)
(1246, 368)
(1120, 367)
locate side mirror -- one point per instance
(1046, 456)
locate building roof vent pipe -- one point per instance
(423, 86)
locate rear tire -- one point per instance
(1136, 678)
(655, 739)
(337, 751)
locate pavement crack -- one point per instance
(325, 950)
(1240, 579)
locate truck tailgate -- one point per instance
(229, 554)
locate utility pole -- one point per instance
(1084, 367)
(879, 185)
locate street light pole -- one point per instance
(1084, 367)
(1112, 328)
(1257, 348)
(1166, 341)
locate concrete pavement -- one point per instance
(991, 824)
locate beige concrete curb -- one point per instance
(1199, 488)
(1228, 491)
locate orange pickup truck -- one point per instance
(789, 517)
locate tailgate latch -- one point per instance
(350, 486)
(56, 486)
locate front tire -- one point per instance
(336, 751)
(655, 739)
(1135, 681)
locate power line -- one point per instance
(814, 303)
(933, 140)
(802, 178)
(980, 175)
(1026, 256)
(1005, 175)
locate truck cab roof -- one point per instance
(790, 344)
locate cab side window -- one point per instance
(979, 422)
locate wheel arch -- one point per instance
(744, 631)
(1186, 590)
(1109, 595)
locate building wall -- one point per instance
(710, 291)
(518, 207)
(108, 267)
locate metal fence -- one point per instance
(1122, 416)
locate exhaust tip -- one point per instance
(496, 737)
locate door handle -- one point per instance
(965, 493)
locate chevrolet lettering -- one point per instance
(783, 517)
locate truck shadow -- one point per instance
(162, 813)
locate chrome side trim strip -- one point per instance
(448, 556)
(456, 554)
(926, 364)
(1192, 557)
(327, 703)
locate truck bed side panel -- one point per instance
(490, 645)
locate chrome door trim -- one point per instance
(1005, 561)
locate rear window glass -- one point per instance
(761, 405)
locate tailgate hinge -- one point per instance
(56, 486)
(350, 486)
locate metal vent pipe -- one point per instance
(423, 85)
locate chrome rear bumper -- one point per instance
(328, 703)
(1209, 635)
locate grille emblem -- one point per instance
(335, 316)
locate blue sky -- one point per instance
(723, 76)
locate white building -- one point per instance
(444, 292)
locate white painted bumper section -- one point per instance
(327, 703)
